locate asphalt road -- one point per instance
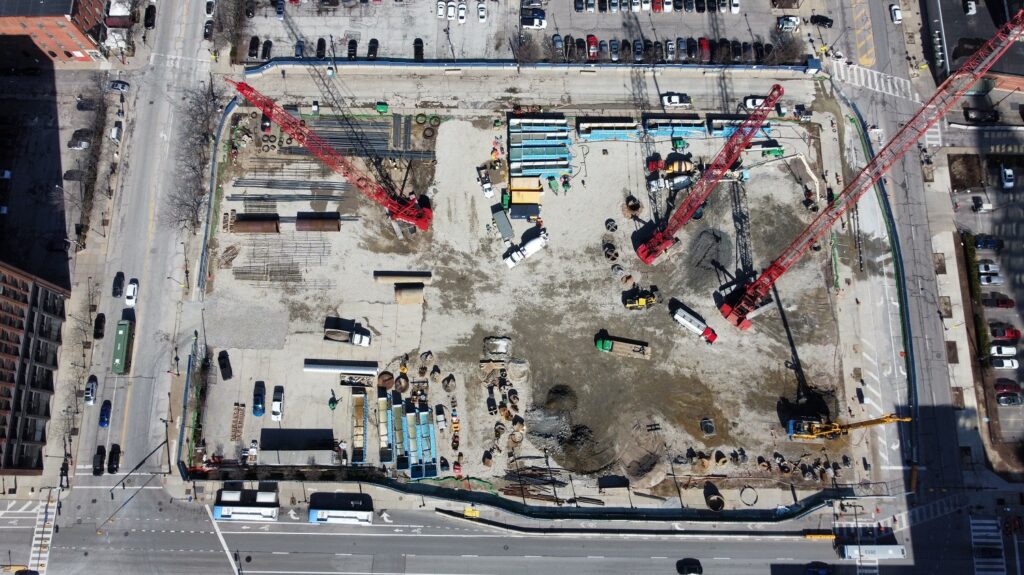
(143, 247)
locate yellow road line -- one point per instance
(862, 38)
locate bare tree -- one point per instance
(789, 49)
(228, 22)
(183, 207)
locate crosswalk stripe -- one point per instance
(873, 80)
(986, 533)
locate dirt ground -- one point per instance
(589, 412)
(965, 172)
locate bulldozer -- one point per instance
(640, 298)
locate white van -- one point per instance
(115, 132)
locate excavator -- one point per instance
(809, 430)
(639, 299)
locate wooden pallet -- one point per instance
(237, 421)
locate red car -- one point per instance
(1007, 386)
(592, 48)
(659, 5)
(996, 299)
(705, 50)
(1004, 332)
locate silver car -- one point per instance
(613, 46)
(670, 51)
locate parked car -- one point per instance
(98, 460)
(131, 295)
(279, 8)
(267, 45)
(533, 23)
(638, 51)
(979, 116)
(440, 8)
(1006, 177)
(999, 363)
(99, 326)
(114, 461)
(992, 280)
(321, 48)
(996, 299)
(751, 102)
(613, 48)
(734, 6)
(1008, 399)
(701, 6)
(481, 12)
(987, 242)
(372, 47)
(723, 6)
(352, 49)
(451, 9)
(118, 287)
(1003, 385)
(737, 51)
(970, 7)
(670, 50)
(558, 46)
(208, 30)
(591, 48)
(105, 413)
(581, 49)
(149, 19)
(118, 86)
(988, 268)
(254, 46)
(277, 406)
(1004, 331)
(210, 7)
(1002, 351)
(602, 50)
(688, 6)
(613, 5)
(822, 21)
(417, 49)
(259, 399)
(462, 12)
(896, 14)
(91, 388)
(224, 363)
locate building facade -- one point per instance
(31, 318)
(64, 30)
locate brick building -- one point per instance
(64, 30)
(31, 316)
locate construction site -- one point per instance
(516, 300)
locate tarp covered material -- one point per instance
(524, 184)
(409, 293)
(524, 197)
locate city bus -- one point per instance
(122, 361)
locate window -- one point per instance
(51, 53)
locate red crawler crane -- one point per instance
(401, 208)
(664, 239)
(747, 298)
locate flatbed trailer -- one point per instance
(623, 347)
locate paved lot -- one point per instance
(395, 25)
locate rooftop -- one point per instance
(15, 8)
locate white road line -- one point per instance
(224, 544)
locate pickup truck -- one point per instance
(485, 182)
(346, 331)
(440, 419)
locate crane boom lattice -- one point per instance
(748, 298)
(401, 208)
(664, 239)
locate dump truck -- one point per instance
(346, 331)
(485, 182)
(624, 347)
(520, 253)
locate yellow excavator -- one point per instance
(642, 298)
(809, 429)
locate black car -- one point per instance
(581, 49)
(737, 51)
(748, 53)
(417, 49)
(352, 47)
(659, 52)
(769, 50)
(758, 52)
(978, 116)
(98, 460)
(578, 5)
(677, 5)
(118, 288)
(250, 9)
(648, 50)
(371, 51)
(701, 6)
(208, 30)
(691, 49)
(823, 21)
(689, 566)
(688, 5)
(267, 45)
(724, 51)
(321, 48)
(602, 5)
(149, 20)
(254, 46)
(114, 461)
(99, 326)
(626, 49)
(224, 363)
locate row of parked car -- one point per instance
(682, 50)
(1002, 354)
(658, 6)
(321, 49)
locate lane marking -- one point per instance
(223, 543)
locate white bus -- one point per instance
(879, 552)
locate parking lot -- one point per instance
(992, 210)
(395, 26)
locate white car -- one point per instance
(992, 280)
(970, 7)
(735, 7)
(277, 405)
(645, 5)
(131, 293)
(451, 9)
(481, 12)
(1004, 363)
(1002, 351)
(441, 9)
(90, 390)
(634, 5)
(209, 8)
(1006, 177)
(988, 268)
(613, 6)
(675, 100)
(751, 102)
(670, 50)
(723, 6)
(896, 14)
(462, 13)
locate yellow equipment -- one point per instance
(642, 299)
(798, 429)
